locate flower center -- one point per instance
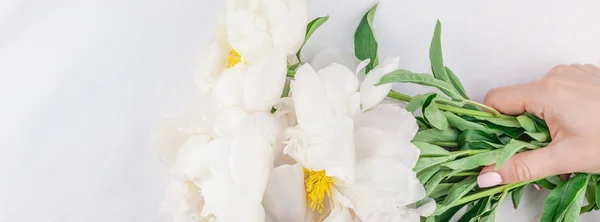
(233, 58)
(317, 185)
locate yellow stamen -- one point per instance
(317, 185)
(233, 58)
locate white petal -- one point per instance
(264, 82)
(372, 95)
(227, 121)
(252, 154)
(244, 211)
(340, 215)
(400, 214)
(169, 138)
(229, 91)
(218, 153)
(285, 112)
(327, 145)
(236, 209)
(341, 85)
(215, 60)
(371, 142)
(247, 34)
(326, 57)
(190, 163)
(428, 208)
(389, 179)
(310, 100)
(287, 22)
(285, 198)
(183, 202)
(361, 66)
(390, 118)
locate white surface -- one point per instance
(83, 82)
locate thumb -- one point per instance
(530, 165)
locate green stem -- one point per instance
(494, 111)
(291, 73)
(467, 153)
(465, 174)
(454, 109)
(495, 190)
(445, 144)
(399, 96)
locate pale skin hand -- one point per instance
(568, 99)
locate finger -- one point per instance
(593, 67)
(530, 165)
(512, 100)
(583, 68)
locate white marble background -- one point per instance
(82, 83)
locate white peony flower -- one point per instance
(235, 82)
(254, 25)
(239, 169)
(357, 161)
(183, 203)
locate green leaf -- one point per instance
(365, 44)
(477, 139)
(447, 215)
(590, 196)
(527, 123)
(436, 135)
(574, 210)
(513, 132)
(430, 219)
(540, 137)
(598, 194)
(435, 181)
(293, 67)
(456, 192)
(310, 29)
(426, 174)
(555, 180)
(489, 216)
(422, 123)
(437, 63)
(545, 184)
(426, 162)
(433, 114)
(435, 54)
(428, 149)
(500, 121)
(563, 197)
(472, 162)
(456, 83)
(416, 102)
(540, 124)
(516, 195)
(405, 76)
(463, 124)
(440, 190)
(475, 211)
(510, 149)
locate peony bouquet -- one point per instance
(270, 137)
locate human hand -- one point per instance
(568, 99)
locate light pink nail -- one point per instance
(537, 187)
(489, 179)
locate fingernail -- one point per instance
(537, 187)
(489, 179)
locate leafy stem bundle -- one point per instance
(458, 137)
